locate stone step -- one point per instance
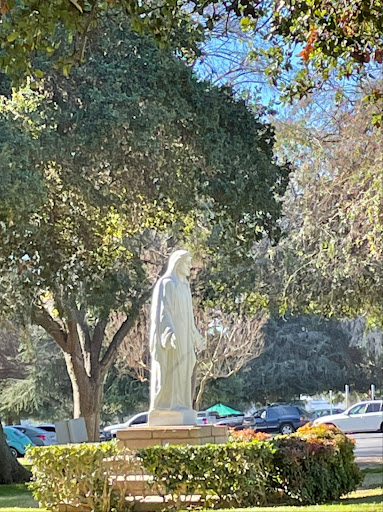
(156, 503)
(136, 485)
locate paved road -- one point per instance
(368, 446)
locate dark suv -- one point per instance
(277, 418)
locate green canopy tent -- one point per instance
(224, 410)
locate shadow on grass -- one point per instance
(364, 496)
(16, 495)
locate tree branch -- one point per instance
(41, 317)
(98, 337)
(111, 353)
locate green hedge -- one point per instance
(314, 465)
(234, 474)
(79, 475)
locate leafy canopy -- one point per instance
(129, 145)
(305, 44)
(331, 259)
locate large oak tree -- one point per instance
(95, 166)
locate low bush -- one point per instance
(316, 464)
(233, 474)
(313, 465)
(81, 475)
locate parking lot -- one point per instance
(368, 446)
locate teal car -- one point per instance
(17, 441)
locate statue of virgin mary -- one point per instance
(174, 339)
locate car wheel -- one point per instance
(286, 428)
(14, 452)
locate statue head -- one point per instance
(180, 264)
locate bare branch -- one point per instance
(133, 354)
(123, 330)
(232, 342)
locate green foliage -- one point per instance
(314, 465)
(45, 393)
(306, 354)
(129, 142)
(304, 44)
(330, 260)
(235, 474)
(78, 473)
(124, 396)
(311, 466)
(30, 29)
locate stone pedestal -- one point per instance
(158, 418)
(135, 438)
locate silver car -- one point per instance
(38, 436)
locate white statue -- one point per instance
(173, 341)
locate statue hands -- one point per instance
(172, 341)
(168, 340)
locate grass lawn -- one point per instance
(18, 498)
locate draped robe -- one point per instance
(172, 368)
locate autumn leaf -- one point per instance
(313, 36)
(305, 53)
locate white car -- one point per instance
(207, 418)
(139, 419)
(362, 417)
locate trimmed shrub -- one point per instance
(80, 475)
(316, 464)
(313, 465)
(234, 474)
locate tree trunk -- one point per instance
(11, 471)
(82, 351)
(87, 395)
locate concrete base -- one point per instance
(135, 438)
(158, 418)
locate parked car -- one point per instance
(207, 417)
(50, 429)
(247, 422)
(17, 441)
(139, 419)
(277, 418)
(231, 421)
(366, 416)
(105, 436)
(37, 435)
(318, 413)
